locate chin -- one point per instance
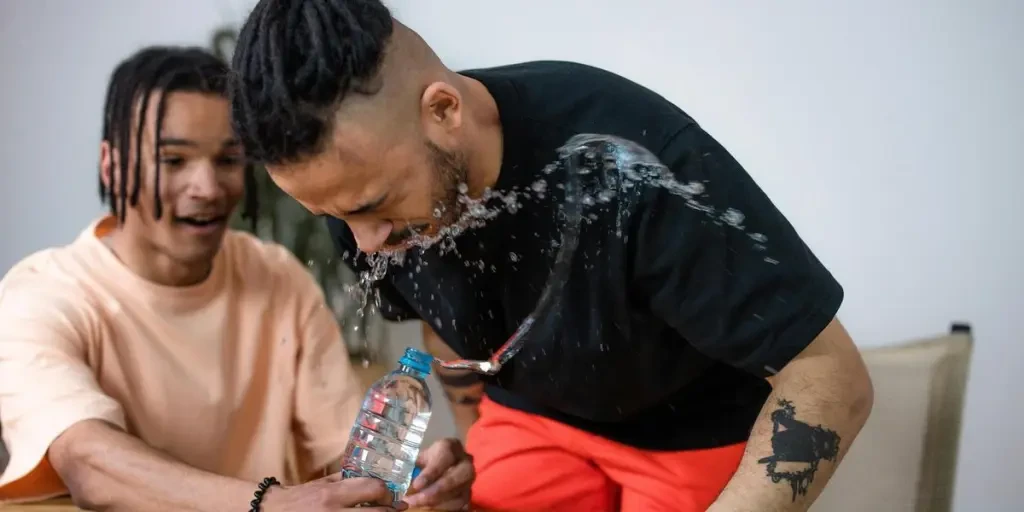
(199, 254)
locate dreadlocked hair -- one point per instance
(155, 69)
(295, 61)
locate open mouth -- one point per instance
(202, 221)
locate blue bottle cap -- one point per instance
(417, 360)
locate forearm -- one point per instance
(464, 392)
(818, 405)
(107, 469)
(463, 389)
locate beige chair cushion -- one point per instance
(905, 456)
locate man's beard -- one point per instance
(450, 171)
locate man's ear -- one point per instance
(108, 162)
(441, 109)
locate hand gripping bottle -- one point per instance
(388, 432)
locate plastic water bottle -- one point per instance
(388, 432)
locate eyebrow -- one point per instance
(177, 141)
(368, 207)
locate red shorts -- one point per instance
(526, 462)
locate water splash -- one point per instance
(475, 213)
(600, 170)
(627, 165)
(572, 213)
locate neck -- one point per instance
(150, 264)
(485, 162)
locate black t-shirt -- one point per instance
(672, 316)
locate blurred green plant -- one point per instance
(283, 220)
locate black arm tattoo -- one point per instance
(800, 447)
(463, 400)
(459, 381)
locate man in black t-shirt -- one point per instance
(693, 360)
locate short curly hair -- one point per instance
(294, 63)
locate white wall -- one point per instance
(886, 131)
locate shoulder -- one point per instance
(570, 97)
(534, 76)
(49, 290)
(252, 260)
(247, 251)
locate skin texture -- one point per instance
(829, 388)
(201, 176)
(394, 159)
(107, 469)
(464, 389)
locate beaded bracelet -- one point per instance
(257, 496)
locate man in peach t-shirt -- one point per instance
(164, 362)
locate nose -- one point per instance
(370, 235)
(203, 182)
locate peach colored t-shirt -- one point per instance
(225, 376)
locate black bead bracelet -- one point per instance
(257, 497)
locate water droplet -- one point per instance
(733, 217)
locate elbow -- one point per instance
(862, 396)
(77, 459)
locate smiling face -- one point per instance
(387, 181)
(199, 183)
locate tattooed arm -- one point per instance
(818, 404)
(464, 389)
